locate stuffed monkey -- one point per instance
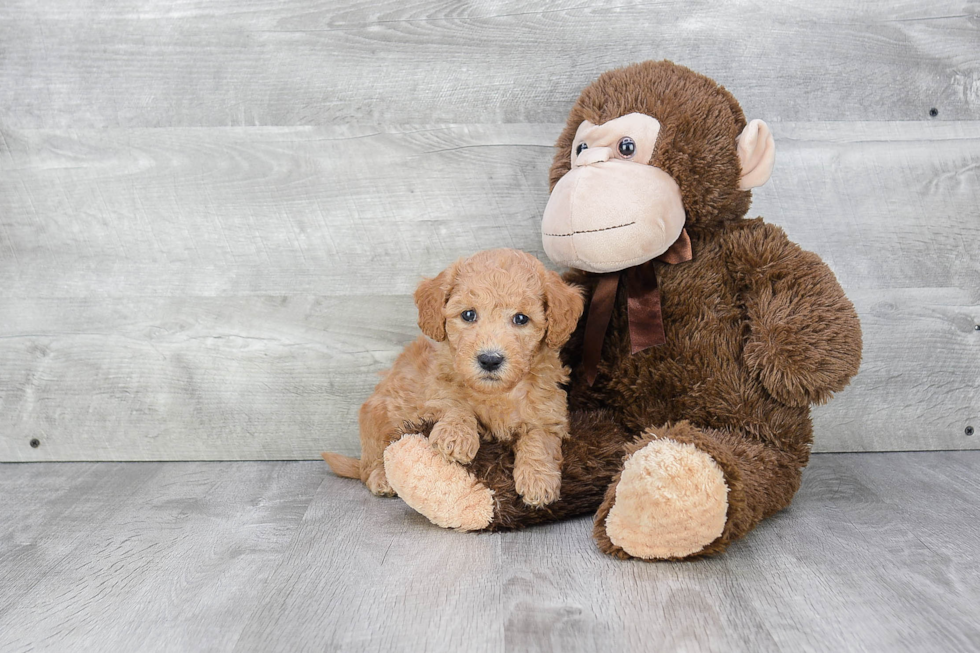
(706, 338)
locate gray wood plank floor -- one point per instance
(879, 552)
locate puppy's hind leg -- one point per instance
(377, 432)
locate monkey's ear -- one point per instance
(563, 308)
(430, 298)
(756, 154)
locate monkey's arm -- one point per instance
(804, 337)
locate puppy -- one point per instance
(494, 324)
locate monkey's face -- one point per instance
(613, 209)
(648, 150)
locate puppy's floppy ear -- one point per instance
(563, 308)
(430, 298)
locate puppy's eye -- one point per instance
(468, 315)
(627, 147)
(581, 147)
(520, 319)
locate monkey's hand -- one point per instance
(804, 339)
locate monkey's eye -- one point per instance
(520, 319)
(468, 315)
(580, 148)
(627, 147)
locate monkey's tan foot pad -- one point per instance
(671, 502)
(444, 492)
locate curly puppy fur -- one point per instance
(439, 378)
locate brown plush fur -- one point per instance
(757, 330)
(439, 380)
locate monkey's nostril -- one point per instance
(593, 155)
(490, 361)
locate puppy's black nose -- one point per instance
(490, 360)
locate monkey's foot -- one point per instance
(442, 491)
(669, 502)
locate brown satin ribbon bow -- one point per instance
(642, 306)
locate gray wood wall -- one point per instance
(213, 213)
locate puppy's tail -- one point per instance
(343, 465)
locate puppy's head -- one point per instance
(496, 310)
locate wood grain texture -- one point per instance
(141, 557)
(208, 378)
(230, 293)
(193, 63)
(248, 211)
(877, 553)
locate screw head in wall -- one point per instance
(35, 443)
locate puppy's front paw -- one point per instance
(455, 441)
(537, 487)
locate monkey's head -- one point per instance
(649, 150)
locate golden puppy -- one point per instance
(495, 324)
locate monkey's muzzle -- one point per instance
(611, 215)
